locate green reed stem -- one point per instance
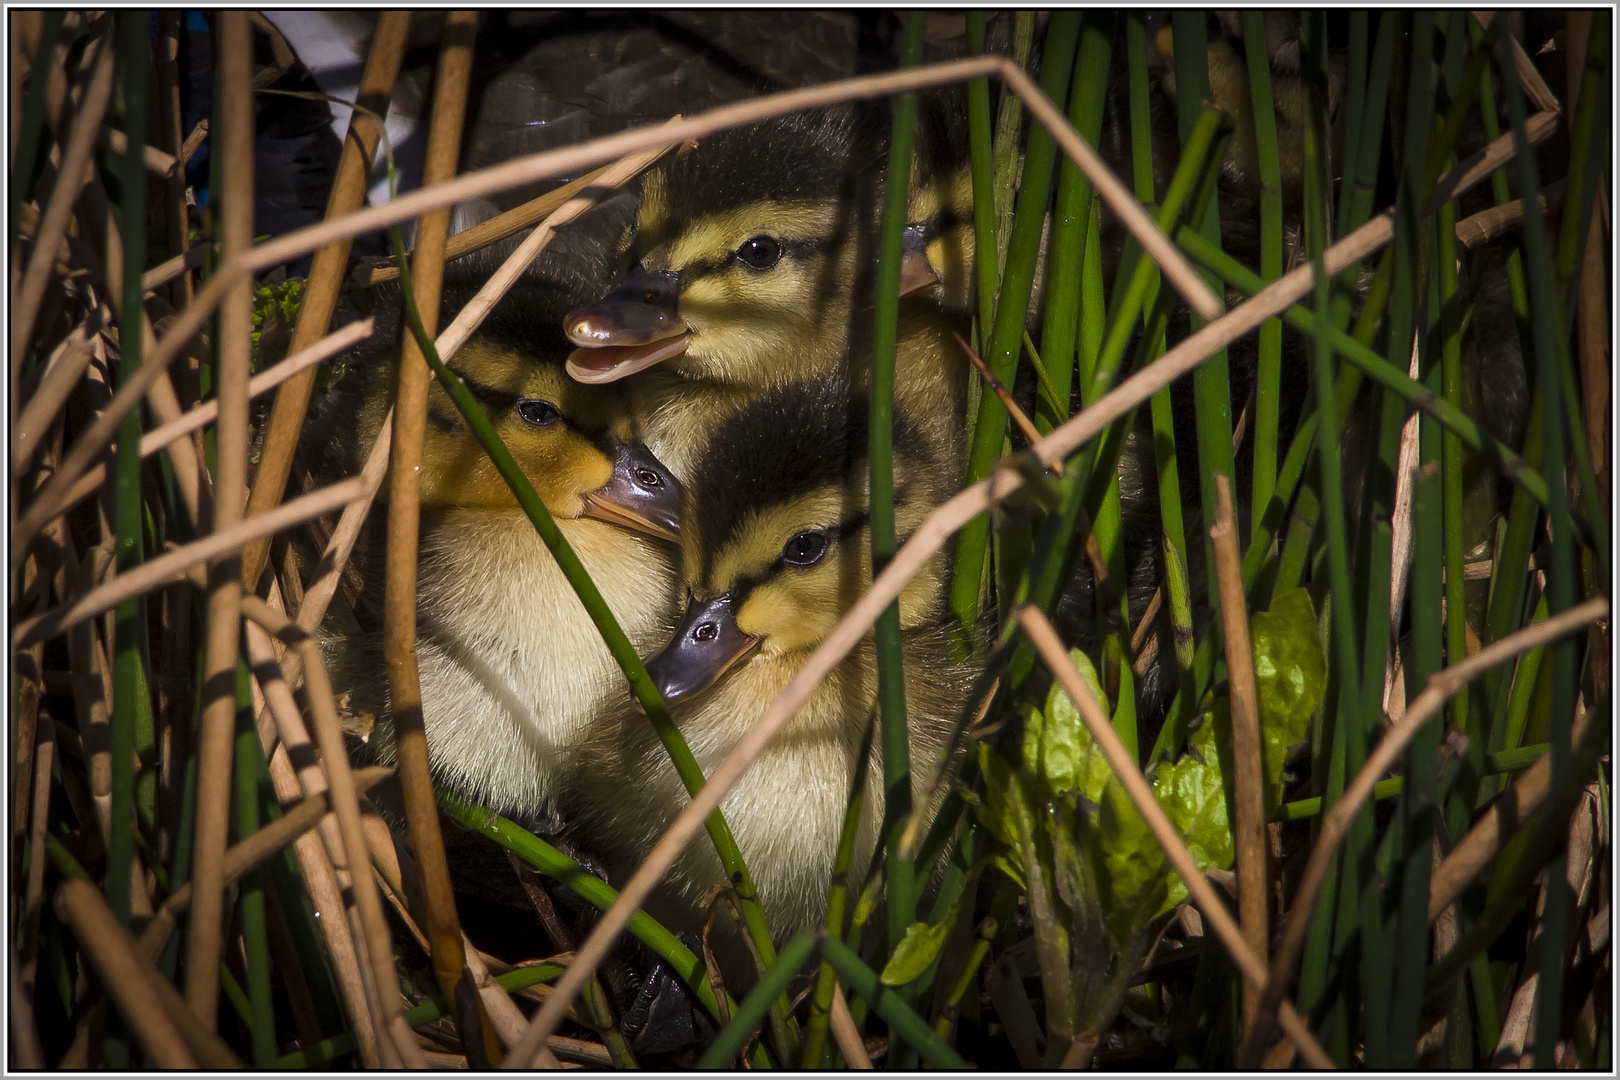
(586, 885)
(255, 935)
(1451, 462)
(1075, 197)
(1504, 761)
(1313, 975)
(1269, 374)
(624, 654)
(1211, 381)
(1008, 326)
(966, 977)
(984, 177)
(891, 686)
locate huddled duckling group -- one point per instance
(699, 432)
(698, 427)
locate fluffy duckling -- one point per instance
(752, 248)
(774, 550)
(513, 672)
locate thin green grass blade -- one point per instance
(1346, 710)
(891, 686)
(815, 1034)
(1418, 797)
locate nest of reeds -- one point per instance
(1367, 820)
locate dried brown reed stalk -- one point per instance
(60, 377)
(553, 163)
(1336, 823)
(326, 273)
(1248, 770)
(216, 732)
(404, 497)
(957, 511)
(845, 1033)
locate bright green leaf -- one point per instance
(1290, 673)
(916, 951)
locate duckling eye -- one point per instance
(649, 479)
(538, 413)
(805, 549)
(760, 253)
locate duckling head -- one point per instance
(576, 444)
(744, 253)
(777, 547)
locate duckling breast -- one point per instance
(513, 671)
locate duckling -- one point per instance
(774, 550)
(513, 672)
(755, 248)
(752, 248)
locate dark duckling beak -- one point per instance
(641, 495)
(706, 645)
(915, 272)
(631, 328)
